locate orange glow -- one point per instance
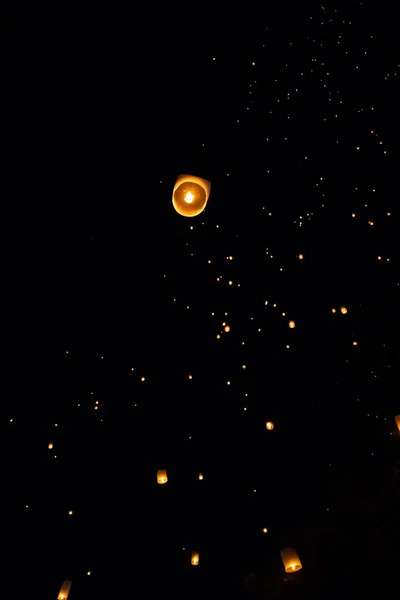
(65, 589)
(291, 560)
(195, 559)
(162, 476)
(269, 425)
(190, 195)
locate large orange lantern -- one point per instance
(65, 589)
(397, 417)
(195, 559)
(162, 476)
(190, 195)
(291, 560)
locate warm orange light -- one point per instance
(201, 476)
(343, 310)
(162, 476)
(292, 324)
(50, 446)
(265, 530)
(65, 589)
(195, 559)
(227, 329)
(190, 195)
(397, 417)
(291, 560)
(269, 425)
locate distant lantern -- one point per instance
(65, 589)
(292, 324)
(195, 559)
(291, 560)
(269, 425)
(227, 329)
(190, 195)
(201, 476)
(343, 310)
(162, 476)
(397, 417)
(50, 446)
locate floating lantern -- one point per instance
(343, 310)
(190, 195)
(291, 560)
(201, 476)
(195, 559)
(269, 425)
(65, 589)
(292, 324)
(162, 476)
(397, 417)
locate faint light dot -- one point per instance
(265, 530)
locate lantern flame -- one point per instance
(189, 197)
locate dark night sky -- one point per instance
(102, 113)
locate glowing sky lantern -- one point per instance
(65, 589)
(162, 476)
(190, 195)
(269, 425)
(195, 559)
(291, 560)
(397, 417)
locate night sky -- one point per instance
(134, 339)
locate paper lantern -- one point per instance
(269, 425)
(201, 476)
(291, 560)
(195, 559)
(397, 417)
(343, 310)
(65, 589)
(162, 476)
(190, 195)
(292, 324)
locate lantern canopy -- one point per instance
(195, 559)
(190, 195)
(291, 560)
(65, 589)
(162, 476)
(397, 417)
